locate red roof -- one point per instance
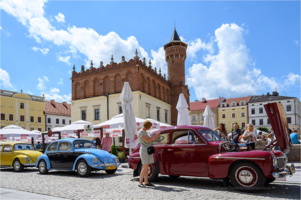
(237, 100)
(55, 108)
(199, 105)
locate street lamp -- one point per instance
(107, 95)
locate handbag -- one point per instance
(150, 150)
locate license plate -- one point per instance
(110, 167)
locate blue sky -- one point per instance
(235, 48)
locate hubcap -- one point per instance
(246, 176)
(42, 166)
(17, 165)
(82, 168)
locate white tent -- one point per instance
(71, 130)
(157, 124)
(13, 132)
(130, 126)
(183, 114)
(208, 118)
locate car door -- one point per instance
(187, 154)
(161, 145)
(53, 155)
(66, 157)
(6, 155)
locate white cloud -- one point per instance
(64, 59)
(57, 97)
(42, 82)
(231, 72)
(5, 79)
(44, 50)
(60, 82)
(296, 42)
(54, 90)
(195, 46)
(60, 18)
(291, 79)
(0, 28)
(29, 92)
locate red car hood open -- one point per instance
(279, 124)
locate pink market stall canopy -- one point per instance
(13, 132)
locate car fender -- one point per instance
(87, 157)
(20, 157)
(46, 159)
(220, 164)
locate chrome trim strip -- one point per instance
(29, 164)
(234, 158)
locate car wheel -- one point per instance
(151, 175)
(247, 176)
(173, 177)
(112, 171)
(83, 169)
(269, 180)
(43, 167)
(17, 165)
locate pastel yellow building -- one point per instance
(233, 111)
(24, 110)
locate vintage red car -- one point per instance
(198, 151)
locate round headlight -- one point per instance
(116, 159)
(27, 159)
(95, 159)
(275, 162)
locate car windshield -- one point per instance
(82, 144)
(209, 135)
(19, 147)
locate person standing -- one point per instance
(221, 130)
(235, 133)
(38, 146)
(106, 142)
(249, 137)
(295, 137)
(146, 159)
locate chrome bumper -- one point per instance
(30, 164)
(105, 165)
(288, 171)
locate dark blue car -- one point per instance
(75, 154)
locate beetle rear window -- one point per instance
(209, 135)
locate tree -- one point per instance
(263, 129)
(114, 150)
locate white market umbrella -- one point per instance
(183, 114)
(208, 118)
(12, 131)
(71, 129)
(130, 126)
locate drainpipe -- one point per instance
(45, 120)
(107, 95)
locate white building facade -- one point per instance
(259, 118)
(57, 114)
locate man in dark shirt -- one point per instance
(235, 133)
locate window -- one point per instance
(193, 118)
(11, 117)
(22, 105)
(233, 115)
(39, 129)
(22, 119)
(288, 108)
(31, 129)
(185, 137)
(209, 135)
(233, 104)
(289, 120)
(223, 116)
(69, 121)
(202, 117)
(31, 119)
(158, 114)
(253, 122)
(268, 121)
(65, 146)
(7, 148)
(166, 116)
(119, 109)
(120, 139)
(48, 128)
(96, 114)
(39, 119)
(83, 114)
(49, 120)
(52, 147)
(253, 111)
(260, 110)
(243, 125)
(2, 116)
(147, 110)
(57, 121)
(242, 114)
(162, 139)
(242, 103)
(260, 121)
(63, 121)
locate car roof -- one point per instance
(69, 140)
(12, 143)
(195, 127)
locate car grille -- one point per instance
(281, 162)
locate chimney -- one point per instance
(203, 100)
(275, 93)
(196, 101)
(65, 104)
(52, 101)
(268, 94)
